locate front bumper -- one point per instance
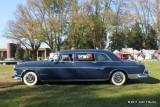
(15, 76)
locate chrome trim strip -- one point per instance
(100, 67)
(68, 80)
(43, 74)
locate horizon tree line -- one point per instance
(86, 24)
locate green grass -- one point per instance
(80, 94)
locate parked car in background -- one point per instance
(80, 65)
(10, 61)
(28, 59)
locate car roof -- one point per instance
(110, 54)
(83, 50)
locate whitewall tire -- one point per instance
(118, 78)
(30, 78)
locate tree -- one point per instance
(18, 54)
(135, 40)
(155, 12)
(52, 17)
(26, 54)
(151, 39)
(117, 44)
(140, 10)
(25, 29)
(116, 19)
(86, 28)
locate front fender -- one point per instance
(27, 70)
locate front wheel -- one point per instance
(118, 78)
(30, 78)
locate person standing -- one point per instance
(157, 55)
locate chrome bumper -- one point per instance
(15, 76)
(143, 75)
(136, 76)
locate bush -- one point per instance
(26, 54)
(32, 56)
(18, 54)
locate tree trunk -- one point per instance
(35, 55)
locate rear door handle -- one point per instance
(94, 62)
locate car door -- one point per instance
(63, 69)
(86, 67)
(105, 64)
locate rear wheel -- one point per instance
(118, 78)
(30, 78)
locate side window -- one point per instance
(85, 57)
(66, 57)
(102, 57)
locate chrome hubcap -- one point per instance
(118, 78)
(30, 78)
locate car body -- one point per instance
(80, 65)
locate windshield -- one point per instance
(55, 57)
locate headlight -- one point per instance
(14, 67)
(146, 71)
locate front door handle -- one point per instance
(94, 62)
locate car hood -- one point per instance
(34, 64)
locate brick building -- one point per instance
(11, 49)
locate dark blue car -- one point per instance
(80, 65)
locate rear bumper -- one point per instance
(145, 74)
(14, 76)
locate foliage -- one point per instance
(26, 54)
(25, 28)
(118, 41)
(18, 54)
(63, 24)
(151, 39)
(33, 57)
(136, 39)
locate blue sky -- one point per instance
(7, 9)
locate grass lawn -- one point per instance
(81, 94)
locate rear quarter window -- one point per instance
(102, 57)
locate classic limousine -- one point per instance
(80, 65)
